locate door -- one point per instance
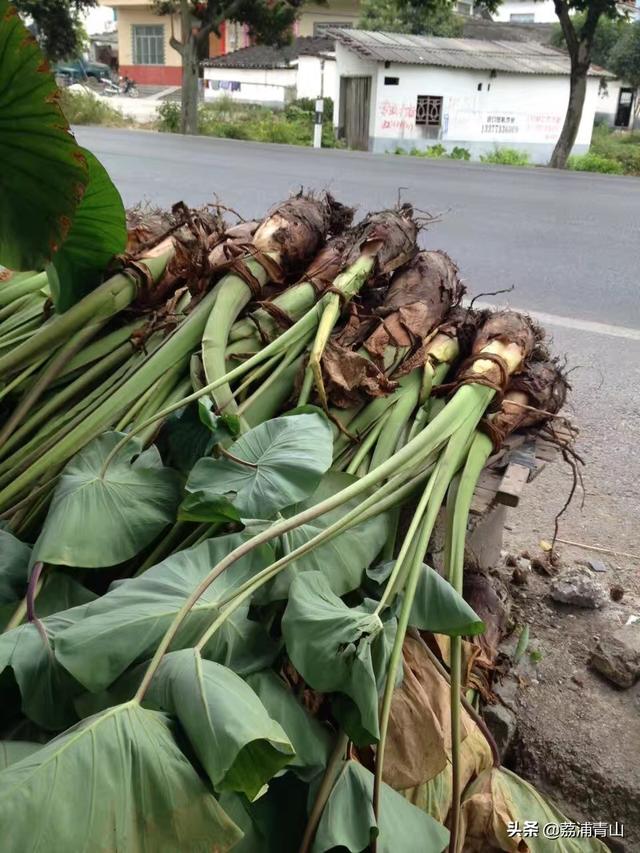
(625, 105)
(355, 98)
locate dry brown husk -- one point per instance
(509, 328)
(419, 298)
(296, 229)
(390, 235)
(419, 737)
(349, 378)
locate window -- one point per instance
(463, 8)
(319, 29)
(479, 87)
(429, 110)
(391, 81)
(148, 44)
(522, 18)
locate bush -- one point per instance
(622, 147)
(169, 117)
(458, 153)
(84, 108)
(308, 105)
(506, 157)
(591, 162)
(434, 152)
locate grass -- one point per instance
(230, 120)
(437, 152)
(83, 108)
(614, 152)
(506, 157)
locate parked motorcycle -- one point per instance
(124, 86)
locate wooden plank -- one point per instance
(512, 484)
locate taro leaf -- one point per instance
(348, 820)
(47, 690)
(221, 427)
(311, 740)
(14, 567)
(12, 751)
(61, 592)
(116, 781)
(44, 172)
(125, 625)
(437, 607)
(192, 432)
(285, 458)
(240, 746)
(98, 232)
(96, 520)
(341, 560)
(335, 647)
(236, 806)
(498, 797)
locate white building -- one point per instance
(401, 91)
(544, 12)
(273, 76)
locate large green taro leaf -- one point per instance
(310, 739)
(14, 567)
(46, 688)
(125, 625)
(341, 560)
(337, 648)
(43, 172)
(116, 781)
(348, 821)
(240, 746)
(100, 520)
(12, 751)
(98, 232)
(282, 462)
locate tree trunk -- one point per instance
(189, 116)
(577, 92)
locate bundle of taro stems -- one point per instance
(259, 318)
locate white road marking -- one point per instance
(570, 323)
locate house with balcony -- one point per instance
(144, 49)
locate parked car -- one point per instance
(78, 70)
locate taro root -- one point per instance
(389, 235)
(508, 338)
(418, 300)
(294, 230)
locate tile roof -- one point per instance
(268, 56)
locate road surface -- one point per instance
(569, 242)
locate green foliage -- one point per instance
(349, 823)
(459, 153)
(590, 162)
(416, 17)
(227, 119)
(621, 147)
(43, 173)
(506, 157)
(434, 152)
(608, 34)
(437, 152)
(125, 509)
(106, 779)
(59, 24)
(169, 116)
(624, 59)
(98, 232)
(269, 468)
(14, 562)
(131, 618)
(240, 746)
(85, 108)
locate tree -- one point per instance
(579, 35)
(269, 21)
(625, 60)
(608, 34)
(415, 17)
(57, 24)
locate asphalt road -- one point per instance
(568, 242)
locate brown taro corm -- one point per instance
(296, 229)
(419, 298)
(542, 387)
(517, 335)
(327, 264)
(390, 235)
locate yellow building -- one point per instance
(145, 55)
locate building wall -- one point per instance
(168, 74)
(543, 11)
(311, 82)
(348, 64)
(269, 87)
(340, 12)
(521, 111)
